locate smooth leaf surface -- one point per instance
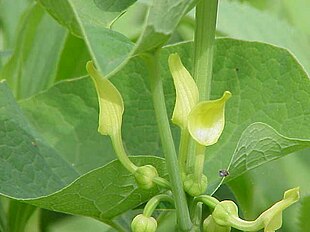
(79, 224)
(74, 13)
(11, 12)
(162, 19)
(3, 218)
(73, 58)
(33, 63)
(108, 48)
(114, 5)
(259, 144)
(233, 14)
(303, 220)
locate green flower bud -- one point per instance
(209, 225)
(144, 176)
(224, 211)
(194, 188)
(142, 223)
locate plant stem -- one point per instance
(199, 162)
(153, 203)
(206, 14)
(184, 221)
(121, 153)
(183, 150)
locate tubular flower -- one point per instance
(226, 214)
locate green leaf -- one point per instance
(74, 14)
(303, 218)
(163, 18)
(11, 12)
(233, 14)
(102, 193)
(33, 63)
(72, 108)
(114, 5)
(18, 215)
(29, 168)
(69, 67)
(43, 178)
(79, 224)
(33, 171)
(259, 144)
(108, 49)
(3, 218)
(297, 12)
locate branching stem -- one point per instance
(152, 61)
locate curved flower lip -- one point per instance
(111, 105)
(226, 214)
(187, 94)
(272, 218)
(206, 120)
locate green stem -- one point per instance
(162, 182)
(183, 150)
(197, 215)
(153, 203)
(206, 14)
(184, 222)
(199, 162)
(207, 200)
(121, 153)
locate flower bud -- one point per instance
(224, 211)
(209, 225)
(193, 187)
(142, 223)
(144, 176)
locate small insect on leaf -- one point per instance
(223, 173)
